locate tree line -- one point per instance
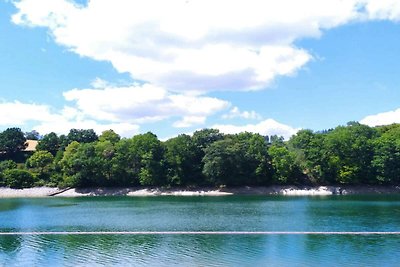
(351, 154)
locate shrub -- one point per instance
(16, 178)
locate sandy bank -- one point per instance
(27, 192)
(271, 190)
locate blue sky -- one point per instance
(274, 69)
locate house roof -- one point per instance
(31, 145)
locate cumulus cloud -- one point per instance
(144, 103)
(196, 45)
(17, 113)
(266, 127)
(383, 9)
(383, 118)
(182, 49)
(188, 121)
(63, 126)
(44, 120)
(236, 113)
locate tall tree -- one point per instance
(12, 140)
(181, 164)
(81, 166)
(285, 168)
(82, 135)
(386, 159)
(141, 160)
(109, 135)
(240, 159)
(32, 135)
(50, 142)
(41, 163)
(350, 153)
(311, 156)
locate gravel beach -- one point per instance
(271, 190)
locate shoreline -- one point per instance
(37, 192)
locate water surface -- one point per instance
(231, 213)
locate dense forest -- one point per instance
(351, 154)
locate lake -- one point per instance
(231, 213)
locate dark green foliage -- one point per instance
(82, 136)
(50, 142)
(81, 166)
(16, 178)
(386, 159)
(180, 161)
(203, 138)
(12, 140)
(145, 159)
(32, 135)
(237, 160)
(284, 166)
(110, 136)
(310, 155)
(6, 165)
(351, 154)
(41, 164)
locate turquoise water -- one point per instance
(233, 213)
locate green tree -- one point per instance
(238, 160)
(6, 165)
(109, 135)
(16, 178)
(32, 135)
(81, 166)
(12, 140)
(41, 163)
(181, 164)
(205, 137)
(50, 142)
(386, 159)
(82, 135)
(106, 152)
(140, 160)
(350, 153)
(311, 156)
(285, 169)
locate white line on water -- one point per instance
(197, 233)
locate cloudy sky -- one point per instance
(175, 66)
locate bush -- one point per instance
(16, 178)
(7, 164)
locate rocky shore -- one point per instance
(224, 191)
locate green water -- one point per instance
(233, 213)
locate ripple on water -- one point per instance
(195, 214)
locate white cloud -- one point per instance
(197, 45)
(63, 126)
(44, 120)
(17, 113)
(383, 9)
(99, 83)
(383, 118)
(143, 103)
(179, 50)
(188, 121)
(265, 127)
(236, 113)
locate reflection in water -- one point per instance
(9, 204)
(9, 244)
(199, 250)
(337, 213)
(351, 250)
(354, 213)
